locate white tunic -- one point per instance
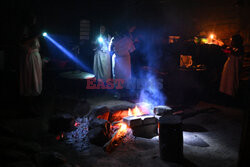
(123, 48)
(230, 76)
(102, 62)
(31, 70)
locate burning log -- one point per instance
(122, 130)
(120, 123)
(116, 137)
(116, 122)
(109, 145)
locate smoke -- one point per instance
(151, 90)
(151, 93)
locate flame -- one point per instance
(129, 112)
(117, 136)
(212, 39)
(212, 36)
(135, 112)
(119, 115)
(120, 129)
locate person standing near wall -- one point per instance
(30, 66)
(230, 75)
(102, 62)
(123, 46)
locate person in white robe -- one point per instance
(102, 60)
(30, 60)
(123, 47)
(31, 69)
(30, 78)
(230, 75)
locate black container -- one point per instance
(171, 138)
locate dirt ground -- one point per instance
(219, 129)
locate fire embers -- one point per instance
(78, 137)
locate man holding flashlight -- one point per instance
(102, 63)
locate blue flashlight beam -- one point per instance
(67, 53)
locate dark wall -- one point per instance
(175, 17)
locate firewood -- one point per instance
(116, 122)
(109, 145)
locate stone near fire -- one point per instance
(97, 136)
(148, 119)
(100, 110)
(145, 131)
(157, 117)
(97, 123)
(142, 126)
(132, 121)
(162, 110)
(98, 131)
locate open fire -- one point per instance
(110, 127)
(119, 129)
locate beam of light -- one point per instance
(67, 53)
